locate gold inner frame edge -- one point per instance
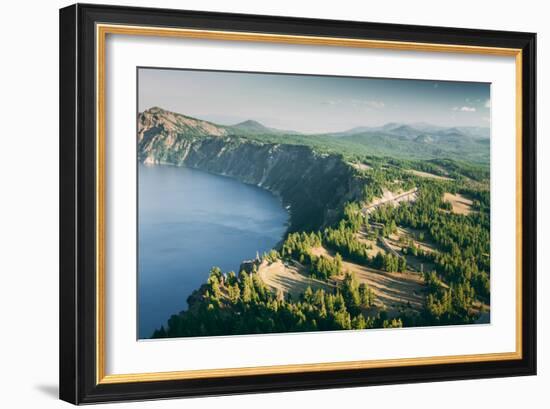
(101, 33)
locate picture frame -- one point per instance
(83, 180)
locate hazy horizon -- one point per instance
(313, 103)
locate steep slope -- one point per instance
(160, 131)
(314, 186)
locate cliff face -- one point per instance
(315, 186)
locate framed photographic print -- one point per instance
(257, 203)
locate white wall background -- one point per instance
(29, 202)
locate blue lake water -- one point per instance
(189, 221)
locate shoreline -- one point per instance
(285, 225)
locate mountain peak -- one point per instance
(250, 125)
(249, 122)
(177, 124)
(155, 109)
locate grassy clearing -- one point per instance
(394, 291)
(460, 204)
(288, 278)
(429, 175)
(361, 166)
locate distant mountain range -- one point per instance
(400, 140)
(420, 129)
(424, 131)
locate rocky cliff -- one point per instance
(314, 186)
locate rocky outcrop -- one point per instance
(157, 121)
(313, 186)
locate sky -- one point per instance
(311, 103)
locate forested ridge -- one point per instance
(231, 305)
(459, 280)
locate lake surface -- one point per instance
(189, 221)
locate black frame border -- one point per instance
(78, 204)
